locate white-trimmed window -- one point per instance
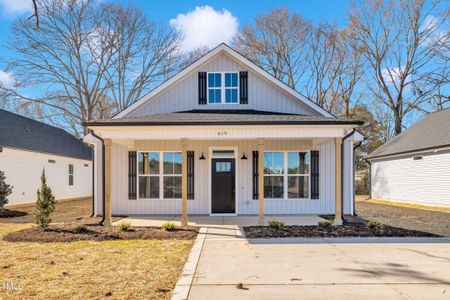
(287, 175)
(223, 87)
(70, 174)
(159, 175)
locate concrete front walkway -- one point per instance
(205, 221)
(320, 268)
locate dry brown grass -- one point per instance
(125, 269)
(403, 204)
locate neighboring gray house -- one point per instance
(27, 146)
(223, 137)
(415, 165)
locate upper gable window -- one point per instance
(223, 87)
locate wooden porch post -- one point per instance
(338, 181)
(108, 206)
(261, 181)
(184, 203)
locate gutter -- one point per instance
(103, 176)
(342, 171)
(208, 123)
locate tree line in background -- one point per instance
(89, 60)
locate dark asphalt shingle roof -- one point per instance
(222, 117)
(432, 131)
(23, 133)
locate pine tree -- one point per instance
(45, 204)
(5, 191)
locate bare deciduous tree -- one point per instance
(402, 42)
(80, 60)
(277, 43)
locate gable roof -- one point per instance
(242, 59)
(431, 132)
(24, 133)
(224, 117)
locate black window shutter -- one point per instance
(202, 88)
(314, 174)
(255, 174)
(132, 166)
(190, 175)
(243, 87)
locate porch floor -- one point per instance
(205, 221)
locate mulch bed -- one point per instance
(67, 233)
(354, 227)
(12, 213)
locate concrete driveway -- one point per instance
(320, 269)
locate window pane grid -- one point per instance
(223, 87)
(287, 175)
(159, 178)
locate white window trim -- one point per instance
(286, 175)
(160, 176)
(72, 174)
(222, 87)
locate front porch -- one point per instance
(211, 221)
(303, 184)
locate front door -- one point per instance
(223, 186)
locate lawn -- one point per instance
(123, 269)
(410, 216)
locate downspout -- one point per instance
(103, 176)
(354, 173)
(93, 181)
(369, 181)
(342, 171)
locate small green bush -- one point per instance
(80, 228)
(326, 224)
(169, 226)
(124, 226)
(45, 204)
(277, 225)
(375, 225)
(5, 191)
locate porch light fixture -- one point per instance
(243, 156)
(202, 157)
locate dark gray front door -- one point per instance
(223, 186)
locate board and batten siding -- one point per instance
(23, 170)
(262, 94)
(245, 203)
(426, 180)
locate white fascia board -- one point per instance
(204, 59)
(228, 132)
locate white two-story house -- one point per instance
(223, 137)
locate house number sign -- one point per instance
(222, 133)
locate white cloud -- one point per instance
(392, 75)
(205, 26)
(6, 79)
(16, 6)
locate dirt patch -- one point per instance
(12, 213)
(68, 233)
(437, 222)
(358, 228)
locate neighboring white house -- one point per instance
(27, 147)
(415, 165)
(224, 137)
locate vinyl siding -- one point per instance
(23, 171)
(416, 181)
(245, 204)
(262, 95)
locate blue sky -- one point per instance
(235, 12)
